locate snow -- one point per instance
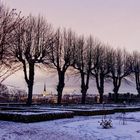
(33, 113)
(77, 128)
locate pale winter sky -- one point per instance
(116, 22)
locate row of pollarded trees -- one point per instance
(94, 59)
(26, 42)
(91, 58)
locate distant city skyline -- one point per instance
(116, 22)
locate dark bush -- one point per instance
(10, 116)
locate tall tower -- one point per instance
(44, 87)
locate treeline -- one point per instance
(29, 41)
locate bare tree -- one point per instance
(8, 70)
(83, 63)
(136, 70)
(101, 67)
(120, 67)
(61, 56)
(31, 47)
(9, 20)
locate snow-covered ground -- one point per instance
(77, 128)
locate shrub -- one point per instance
(106, 124)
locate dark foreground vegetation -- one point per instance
(45, 113)
(34, 116)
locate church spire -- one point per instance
(44, 87)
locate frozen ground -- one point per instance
(78, 128)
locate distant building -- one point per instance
(49, 96)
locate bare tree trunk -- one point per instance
(30, 90)
(137, 83)
(83, 101)
(100, 86)
(101, 96)
(30, 83)
(84, 87)
(117, 84)
(116, 94)
(84, 92)
(60, 86)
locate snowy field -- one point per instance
(77, 128)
